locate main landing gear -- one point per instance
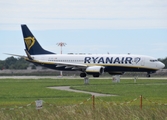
(82, 74)
(148, 75)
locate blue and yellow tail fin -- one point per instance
(31, 43)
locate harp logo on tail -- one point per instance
(29, 42)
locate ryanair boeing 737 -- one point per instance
(92, 64)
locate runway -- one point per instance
(71, 77)
(33, 77)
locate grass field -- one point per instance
(20, 92)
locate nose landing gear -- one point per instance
(148, 75)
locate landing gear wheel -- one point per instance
(83, 75)
(148, 75)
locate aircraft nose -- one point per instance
(161, 65)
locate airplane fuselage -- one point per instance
(110, 62)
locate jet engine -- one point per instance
(96, 71)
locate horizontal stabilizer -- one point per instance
(22, 56)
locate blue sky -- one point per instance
(86, 26)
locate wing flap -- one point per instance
(73, 66)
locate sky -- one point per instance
(86, 26)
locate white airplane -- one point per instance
(92, 64)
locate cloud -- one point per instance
(84, 14)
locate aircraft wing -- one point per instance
(66, 65)
(70, 65)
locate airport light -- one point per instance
(61, 44)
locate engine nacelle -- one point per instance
(95, 70)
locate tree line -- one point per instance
(164, 61)
(21, 63)
(13, 63)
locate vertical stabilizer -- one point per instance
(31, 43)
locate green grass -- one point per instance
(127, 90)
(101, 112)
(20, 92)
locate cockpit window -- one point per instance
(153, 60)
